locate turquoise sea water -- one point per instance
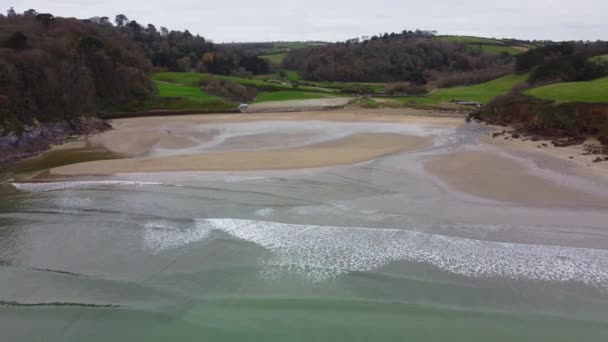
(371, 252)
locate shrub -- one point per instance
(228, 89)
(405, 88)
(357, 89)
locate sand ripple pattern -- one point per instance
(321, 253)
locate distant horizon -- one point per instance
(274, 21)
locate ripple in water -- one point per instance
(321, 253)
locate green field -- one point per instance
(600, 59)
(482, 93)
(494, 49)
(289, 95)
(193, 79)
(591, 91)
(469, 40)
(276, 59)
(185, 85)
(488, 45)
(176, 90)
(176, 96)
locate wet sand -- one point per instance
(494, 169)
(490, 175)
(354, 149)
(168, 144)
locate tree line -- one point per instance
(413, 56)
(183, 51)
(54, 68)
(565, 62)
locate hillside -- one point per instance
(55, 69)
(489, 45)
(482, 93)
(416, 57)
(595, 91)
(188, 86)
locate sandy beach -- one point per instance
(488, 174)
(168, 144)
(508, 171)
(354, 149)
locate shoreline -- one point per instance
(506, 171)
(573, 156)
(351, 150)
(42, 138)
(172, 144)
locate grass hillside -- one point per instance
(185, 85)
(177, 97)
(600, 59)
(193, 79)
(289, 95)
(591, 91)
(488, 45)
(483, 92)
(276, 59)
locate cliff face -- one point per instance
(549, 118)
(40, 138)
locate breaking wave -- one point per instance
(320, 253)
(80, 185)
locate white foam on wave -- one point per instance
(266, 212)
(161, 235)
(80, 185)
(320, 253)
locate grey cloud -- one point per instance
(263, 20)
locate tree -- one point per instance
(17, 41)
(11, 13)
(152, 30)
(121, 20)
(164, 31)
(30, 13)
(104, 21)
(45, 18)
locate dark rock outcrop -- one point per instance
(35, 140)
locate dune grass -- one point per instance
(595, 91)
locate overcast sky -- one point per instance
(331, 20)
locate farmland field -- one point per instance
(483, 92)
(275, 59)
(591, 91)
(289, 95)
(488, 45)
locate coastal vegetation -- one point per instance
(482, 93)
(413, 56)
(56, 69)
(595, 91)
(491, 46)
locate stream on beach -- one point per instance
(377, 251)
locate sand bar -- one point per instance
(489, 175)
(354, 149)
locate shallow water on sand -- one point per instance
(375, 251)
